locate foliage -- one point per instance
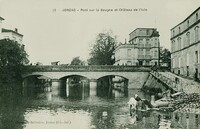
(165, 56)
(77, 61)
(103, 49)
(12, 60)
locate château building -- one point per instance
(142, 50)
(185, 46)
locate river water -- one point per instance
(31, 108)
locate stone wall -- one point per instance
(175, 82)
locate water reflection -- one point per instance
(75, 108)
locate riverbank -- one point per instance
(168, 80)
(185, 94)
(187, 103)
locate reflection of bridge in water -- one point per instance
(135, 76)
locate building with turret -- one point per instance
(142, 49)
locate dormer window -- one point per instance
(188, 38)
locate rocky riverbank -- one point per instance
(189, 103)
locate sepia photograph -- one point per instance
(99, 64)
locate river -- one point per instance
(31, 108)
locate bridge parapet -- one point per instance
(89, 68)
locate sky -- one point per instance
(53, 34)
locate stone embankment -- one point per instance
(187, 92)
(177, 83)
(187, 103)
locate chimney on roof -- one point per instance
(16, 30)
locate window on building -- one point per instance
(155, 53)
(187, 59)
(141, 53)
(128, 62)
(179, 29)
(14, 38)
(156, 42)
(179, 43)
(140, 32)
(188, 23)
(196, 34)
(173, 33)
(140, 41)
(147, 32)
(179, 62)
(197, 16)
(147, 51)
(147, 43)
(173, 63)
(196, 57)
(173, 46)
(188, 38)
(129, 52)
(20, 40)
(147, 62)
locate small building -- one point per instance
(142, 50)
(38, 64)
(12, 35)
(185, 46)
(55, 63)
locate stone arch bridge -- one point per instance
(136, 76)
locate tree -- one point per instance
(77, 61)
(12, 59)
(102, 50)
(165, 56)
(102, 54)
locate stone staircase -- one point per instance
(177, 83)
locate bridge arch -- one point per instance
(113, 75)
(36, 75)
(135, 79)
(72, 75)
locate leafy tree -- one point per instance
(12, 59)
(102, 50)
(165, 56)
(77, 61)
(102, 54)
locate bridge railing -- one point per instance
(106, 68)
